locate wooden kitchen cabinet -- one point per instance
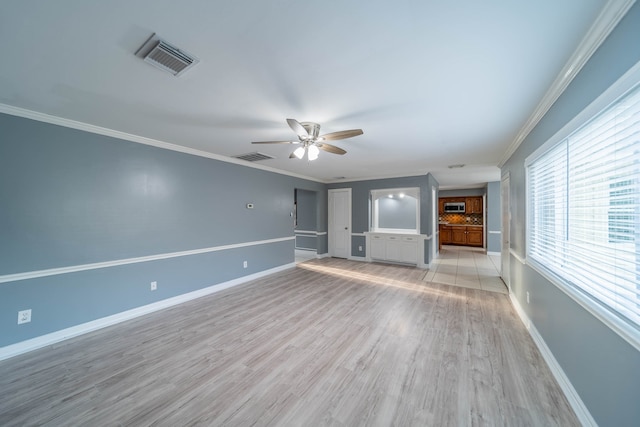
(474, 236)
(440, 206)
(473, 205)
(459, 235)
(445, 234)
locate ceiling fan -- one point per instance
(311, 142)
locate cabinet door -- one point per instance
(394, 248)
(445, 235)
(440, 206)
(409, 250)
(459, 236)
(473, 205)
(377, 247)
(474, 236)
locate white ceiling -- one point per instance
(431, 83)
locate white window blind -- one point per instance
(584, 209)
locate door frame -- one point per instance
(330, 219)
(505, 210)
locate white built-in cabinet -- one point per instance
(403, 248)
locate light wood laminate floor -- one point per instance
(330, 342)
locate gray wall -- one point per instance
(493, 214)
(603, 368)
(360, 215)
(397, 213)
(71, 198)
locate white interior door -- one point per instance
(340, 222)
(506, 229)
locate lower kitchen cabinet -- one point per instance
(461, 235)
(445, 234)
(474, 236)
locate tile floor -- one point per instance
(467, 267)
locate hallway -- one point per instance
(467, 267)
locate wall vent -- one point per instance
(166, 57)
(254, 157)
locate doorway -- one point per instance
(305, 224)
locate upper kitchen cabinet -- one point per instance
(473, 205)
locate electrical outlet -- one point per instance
(360, 248)
(244, 264)
(24, 316)
(527, 297)
(154, 285)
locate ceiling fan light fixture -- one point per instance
(299, 152)
(313, 152)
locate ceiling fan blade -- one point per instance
(298, 128)
(293, 156)
(275, 142)
(343, 134)
(331, 148)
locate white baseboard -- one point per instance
(74, 331)
(357, 258)
(570, 393)
(324, 255)
(494, 253)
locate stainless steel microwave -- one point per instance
(454, 207)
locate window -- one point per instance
(395, 210)
(583, 212)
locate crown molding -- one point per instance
(86, 127)
(610, 15)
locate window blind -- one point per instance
(584, 209)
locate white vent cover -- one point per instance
(254, 157)
(162, 55)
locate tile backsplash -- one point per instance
(459, 218)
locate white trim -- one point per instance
(358, 234)
(495, 232)
(569, 391)
(315, 233)
(610, 15)
(420, 173)
(427, 237)
(312, 233)
(60, 121)
(494, 253)
(518, 257)
(628, 332)
(74, 331)
(304, 249)
(93, 266)
(324, 255)
(357, 258)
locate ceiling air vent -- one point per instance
(162, 55)
(254, 157)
